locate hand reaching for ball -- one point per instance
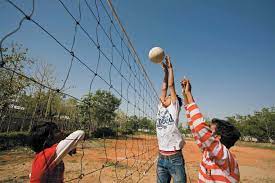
(168, 61)
(164, 67)
(186, 86)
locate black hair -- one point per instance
(43, 136)
(228, 132)
(179, 100)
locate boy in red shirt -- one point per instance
(46, 141)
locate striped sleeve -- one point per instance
(191, 127)
(203, 134)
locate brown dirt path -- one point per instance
(256, 165)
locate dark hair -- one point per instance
(42, 136)
(179, 100)
(228, 132)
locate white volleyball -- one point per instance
(156, 55)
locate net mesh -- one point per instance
(97, 60)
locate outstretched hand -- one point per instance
(73, 151)
(164, 67)
(186, 91)
(168, 61)
(186, 86)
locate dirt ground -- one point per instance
(132, 160)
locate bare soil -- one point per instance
(132, 160)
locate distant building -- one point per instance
(16, 107)
(62, 117)
(143, 130)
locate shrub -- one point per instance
(104, 132)
(10, 140)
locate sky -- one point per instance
(226, 48)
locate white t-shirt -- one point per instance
(168, 134)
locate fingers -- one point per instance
(164, 66)
(187, 83)
(184, 82)
(186, 86)
(167, 60)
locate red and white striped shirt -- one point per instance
(218, 163)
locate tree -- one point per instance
(184, 131)
(70, 108)
(23, 101)
(45, 74)
(146, 124)
(260, 125)
(121, 119)
(12, 84)
(98, 110)
(132, 124)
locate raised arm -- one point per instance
(68, 144)
(197, 139)
(164, 82)
(200, 130)
(186, 102)
(171, 82)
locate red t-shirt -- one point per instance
(41, 170)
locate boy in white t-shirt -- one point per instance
(170, 141)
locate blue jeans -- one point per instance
(171, 166)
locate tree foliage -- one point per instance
(98, 109)
(260, 125)
(11, 84)
(131, 124)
